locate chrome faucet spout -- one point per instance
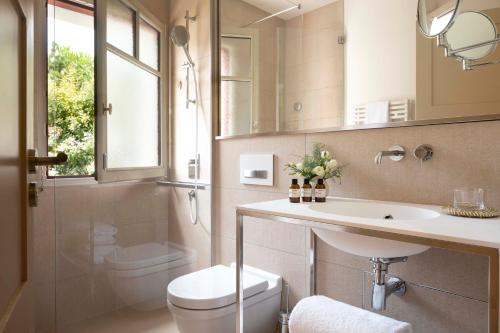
(396, 153)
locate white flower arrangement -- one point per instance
(319, 165)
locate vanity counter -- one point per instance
(469, 231)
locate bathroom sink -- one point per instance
(370, 246)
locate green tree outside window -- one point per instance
(71, 109)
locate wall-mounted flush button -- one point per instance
(262, 174)
(257, 169)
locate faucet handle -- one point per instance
(423, 152)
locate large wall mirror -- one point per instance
(317, 65)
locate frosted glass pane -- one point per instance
(133, 128)
(120, 26)
(149, 39)
(236, 57)
(236, 107)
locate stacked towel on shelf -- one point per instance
(104, 241)
(320, 314)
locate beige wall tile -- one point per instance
(463, 274)
(182, 231)
(133, 203)
(431, 310)
(341, 283)
(285, 148)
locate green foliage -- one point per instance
(71, 110)
(319, 165)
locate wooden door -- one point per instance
(15, 296)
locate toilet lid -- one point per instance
(212, 288)
(144, 255)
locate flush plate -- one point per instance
(257, 169)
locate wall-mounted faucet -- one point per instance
(423, 153)
(396, 153)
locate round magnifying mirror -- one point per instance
(471, 28)
(437, 16)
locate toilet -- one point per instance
(139, 274)
(205, 301)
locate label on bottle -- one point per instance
(306, 192)
(294, 193)
(320, 193)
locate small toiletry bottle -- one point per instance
(294, 191)
(306, 191)
(320, 191)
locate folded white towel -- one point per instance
(105, 229)
(103, 239)
(377, 112)
(320, 314)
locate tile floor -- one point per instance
(127, 321)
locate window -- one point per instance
(132, 97)
(236, 85)
(104, 107)
(71, 107)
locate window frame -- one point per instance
(105, 174)
(44, 148)
(253, 36)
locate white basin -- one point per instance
(370, 246)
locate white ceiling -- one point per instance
(274, 6)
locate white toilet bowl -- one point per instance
(204, 301)
(139, 274)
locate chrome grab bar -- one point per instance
(191, 185)
(34, 161)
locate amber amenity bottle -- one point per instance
(306, 191)
(294, 191)
(320, 191)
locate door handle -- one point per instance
(34, 161)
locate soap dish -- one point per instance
(473, 213)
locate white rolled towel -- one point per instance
(320, 314)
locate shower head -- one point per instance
(180, 37)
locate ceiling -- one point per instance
(274, 6)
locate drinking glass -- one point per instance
(468, 198)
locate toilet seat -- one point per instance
(212, 288)
(143, 256)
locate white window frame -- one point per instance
(253, 35)
(105, 174)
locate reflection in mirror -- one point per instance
(472, 28)
(280, 72)
(436, 16)
(295, 72)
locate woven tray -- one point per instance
(473, 213)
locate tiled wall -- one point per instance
(182, 129)
(447, 291)
(314, 69)
(64, 270)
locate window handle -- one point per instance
(108, 109)
(34, 161)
